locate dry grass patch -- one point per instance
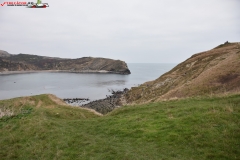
(57, 100)
(229, 108)
(39, 104)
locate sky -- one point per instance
(135, 31)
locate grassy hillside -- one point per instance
(42, 127)
(215, 71)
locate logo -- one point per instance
(14, 3)
(39, 4)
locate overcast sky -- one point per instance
(135, 31)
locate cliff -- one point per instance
(4, 54)
(216, 71)
(25, 62)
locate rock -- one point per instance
(107, 104)
(4, 54)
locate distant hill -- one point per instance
(215, 71)
(26, 62)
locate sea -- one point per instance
(79, 85)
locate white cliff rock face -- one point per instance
(190, 64)
(4, 54)
(163, 82)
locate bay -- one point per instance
(78, 85)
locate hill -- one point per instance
(216, 71)
(26, 62)
(43, 127)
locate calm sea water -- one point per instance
(78, 85)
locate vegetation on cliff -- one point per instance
(216, 71)
(26, 62)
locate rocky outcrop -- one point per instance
(216, 71)
(4, 54)
(25, 62)
(102, 106)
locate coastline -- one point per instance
(59, 71)
(102, 106)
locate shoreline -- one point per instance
(60, 71)
(102, 106)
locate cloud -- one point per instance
(131, 30)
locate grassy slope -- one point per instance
(215, 71)
(196, 128)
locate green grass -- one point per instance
(196, 128)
